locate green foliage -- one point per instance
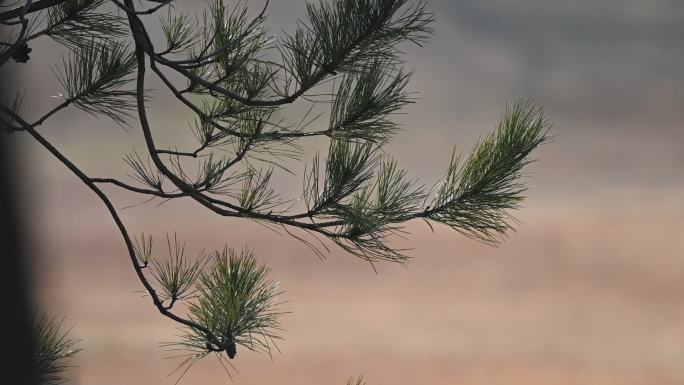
(256, 193)
(395, 199)
(349, 165)
(54, 349)
(337, 39)
(210, 176)
(477, 193)
(76, 23)
(144, 172)
(237, 302)
(204, 133)
(363, 101)
(93, 76)
(178, 31)
(236, 40)
(231, 44)
(143, 249)
(375, 212)
(474, 198)
(176, 275)
(298, 55)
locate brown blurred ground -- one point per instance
(573, 297)
(587, 291)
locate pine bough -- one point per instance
(343, 58)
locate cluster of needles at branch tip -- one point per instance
(237, 302)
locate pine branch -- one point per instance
(93, 76)
(374, 209)
(178, 32)
(176, 275)
(337, 39)
(143, 249)
(357, 200)
(117, 220)
(236, 301)
(377, 40)
(477, 194)
(475, 198)
(18, 50)
(76, 23)
(256, 193)
(349, 165)
(143, 172)
(363, 101)
(34, 7)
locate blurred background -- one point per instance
(589, 290)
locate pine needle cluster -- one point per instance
(477, 193)
(54, 350)
(93, 76)
(236, 303)
(74, 22)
